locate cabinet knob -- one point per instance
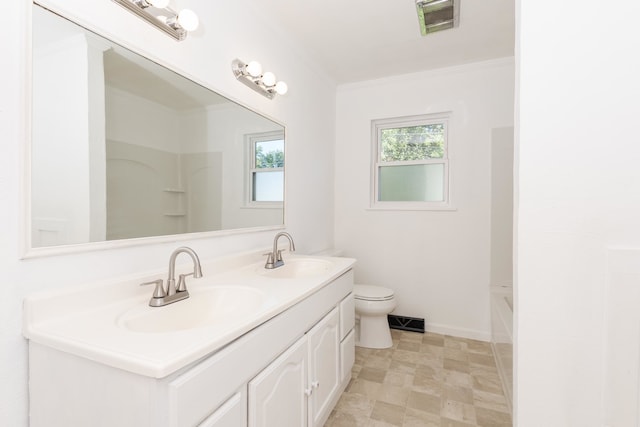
(315, 384)
(308, 391)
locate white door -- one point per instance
(277, 395)
(324, 367)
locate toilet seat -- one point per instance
(372, 293)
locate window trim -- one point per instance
(425, 119)
(250, 144)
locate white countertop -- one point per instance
(87, 322)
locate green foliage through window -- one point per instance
(269, 154)
(412, 143)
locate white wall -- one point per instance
(229, 30)
(436, 261)
(578, 193)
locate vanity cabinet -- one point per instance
(278, 395)
(288, 371)
(299, 388)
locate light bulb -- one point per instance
(268, 78)
(160, 4)
(281, 88)
(254, 68)
(188, 20)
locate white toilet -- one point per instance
(373, 304)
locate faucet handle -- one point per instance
(279, 255)
(159, 291)
(182, 282)
(270, 260)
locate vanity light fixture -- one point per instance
(158, 14)
(264, 83)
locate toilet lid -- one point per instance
(372, 293)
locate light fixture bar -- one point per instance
(265, 84)
(177, 33)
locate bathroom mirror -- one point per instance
(124, 148)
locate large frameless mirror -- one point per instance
(125, 148)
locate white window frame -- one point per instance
(250, 143)
(376, 128)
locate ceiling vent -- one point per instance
(437, 15)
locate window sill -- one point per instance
(412, 207)
(265, 206)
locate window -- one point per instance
(266, 169)
(410, 163)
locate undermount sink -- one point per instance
(208, 307)
(295, 268)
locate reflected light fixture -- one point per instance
(264, 83)
(437, 15)
(158, 14)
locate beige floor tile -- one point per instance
(424, 402)
(456, 365)
(407, 356)
(378, 362)
(398, 379)
(423, 380)
(416, 418)
(341, 419)
(455, 354)
(458, 411)
(409, 345)
(482, 347)
(490, 418)
(388, 413)
(372, 374)
(411, 336)
(455, 342)
(355, 404)
(393, 394)
(482, 359)
(447, 422)
(458, 394)
(404, 367)
(457, 378)
(487, 400)
(433, 339)
(364, 387)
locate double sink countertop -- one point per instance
(112, 323)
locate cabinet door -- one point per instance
(232, 413)
(324, 367)
(277, 395)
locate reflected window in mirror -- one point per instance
(266, 169)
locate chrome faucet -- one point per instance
(274, 259)
(173, 293)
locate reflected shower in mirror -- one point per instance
(125, 148)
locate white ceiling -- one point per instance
(354, 40)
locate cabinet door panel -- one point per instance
(277, 395)
(347, 355)
(324, 366)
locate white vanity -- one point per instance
(249, 347)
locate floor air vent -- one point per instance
(413, 324)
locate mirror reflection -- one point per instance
(125, 148)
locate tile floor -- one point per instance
(426, 380)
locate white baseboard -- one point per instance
(458, 332)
